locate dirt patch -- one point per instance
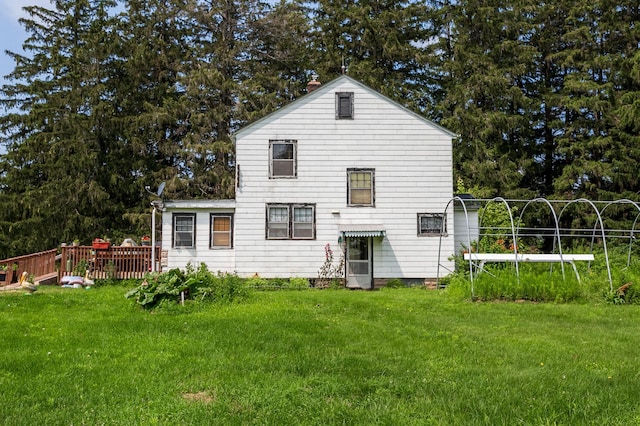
(203, 397)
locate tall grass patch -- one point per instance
(619, 283)
(534, 282)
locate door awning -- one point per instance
(362, 230)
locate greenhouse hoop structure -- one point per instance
(549, 226)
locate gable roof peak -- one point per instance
(321, 89)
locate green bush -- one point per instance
(266, 284)
(395, 283)
(256, 282)
(627, 294)
(160, 289)
(297, 283)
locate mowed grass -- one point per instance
(316, 357)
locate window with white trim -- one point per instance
(290, 221)
(344, 105)
(184, 230)
(282, 158)
(221, 230)
(360, 187)
(431, 224)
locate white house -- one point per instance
(342, 165)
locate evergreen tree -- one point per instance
(105, 106)
(57, 129)
(377, 41)
(278, 65)
(156, 42)
(482, 65)
(246, 61)
(598, 140)
(544, 97)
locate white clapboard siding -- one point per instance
(467, 224)
(413, 174)
(412, 158)
(219, 259)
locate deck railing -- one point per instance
(36, 264)
(115, 262)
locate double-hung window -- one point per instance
(302, 223)
(290, 221)
(184, 230)
(344, 105)
(221, 230)
(431, 224)
(360, 187)
(277, 222)
(282, 158)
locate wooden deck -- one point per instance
(38, 264)
(48, 267)
(114, 262)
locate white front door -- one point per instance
(359, 263)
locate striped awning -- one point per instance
(362, 230)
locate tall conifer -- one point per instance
(57, 128)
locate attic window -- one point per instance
(344, 105)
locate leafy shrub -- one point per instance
(193, 284)
(265, 284)
(395, 283)
(81, 267)
(627, 294)
(256, 282)
(297, 283)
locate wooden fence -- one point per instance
(114, 262)
(39, 265)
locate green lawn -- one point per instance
(316, 357)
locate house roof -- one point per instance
(199, 204)
(469, 201)
(328, 87)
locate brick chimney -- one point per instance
(313, 84)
